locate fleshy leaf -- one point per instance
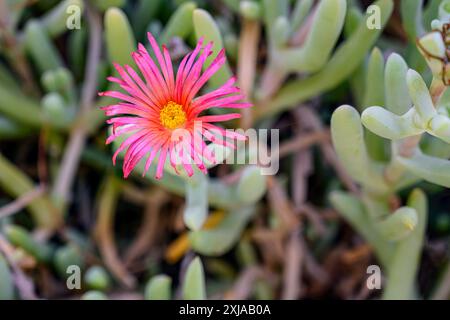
(374, 79)
(420, 96)
(431, 169)
(347, 57)
(120, 40)
(348, 139)
(252, 185)
(196, 209)
(180, 23)
(194, 281)
(439, 126)
(158, 288)
(389, 125)
(314, 54)
(403, 267)
(217, 241)
(20, 237)
(206, 27)
(396, 88)
(40, 47)
(354, 212)
(6, 280)
(300, 12)
(55, 21)
(411, 12)
(399, 224)
(375, 96)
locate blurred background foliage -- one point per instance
(305, 232)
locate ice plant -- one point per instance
(157, 106)
(405, 109)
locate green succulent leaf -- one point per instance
(15, 183)
(396, 88)
(96, 278)
(399, 224)
(402, 272)
(439, 126)
(411, 12)
(20, 237)
(120, 41)
(299, 14)
(250, 9)
(158, 288)
(389, 125)
(6, 280)
(206, 27)
(271, 11)
(196, 209)
(217, 241)
(429, 168)
(420, 96)
(104, 5)
(252, 185)
(314, 54)
(374, 79)
(180, 23)
(66, 256)
(94, 295)
(342, 64)
(20, 108)
(55, 21)
(355, 213)
(40, 47)
(348, 139)
(194, 281)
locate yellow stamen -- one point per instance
(172, 115)
(182, 244)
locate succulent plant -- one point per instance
(227, 223)
(405, 110)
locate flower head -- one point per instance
(157, 106)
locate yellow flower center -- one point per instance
(172, 115)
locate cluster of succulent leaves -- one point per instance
(401, 137)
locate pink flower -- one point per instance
(154, 108)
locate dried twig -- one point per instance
(248, 51)
(301, 169)
(293, 265)
(24, 284)
(146, 234)
(271, 243)
(300, 36)
(312, 268)
(104, 232)
(243, 287)
(303, 141)
(272, 76)
(281, 204)
(21, 202)
(314, 217)
(134, 194)
(14, 50)
(327, 149)
(77, 140)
